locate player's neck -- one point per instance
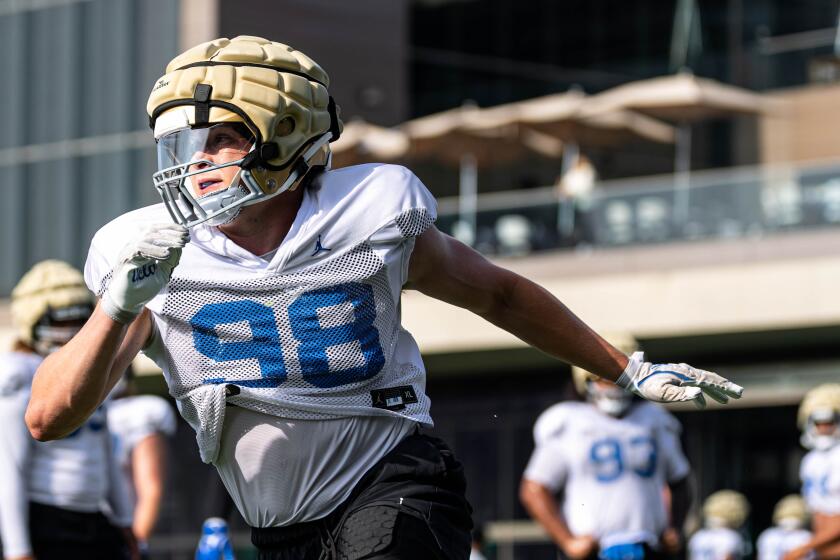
(261, 228)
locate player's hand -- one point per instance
(143, 269)
(670, 541)
(676, 382)
(580, 548)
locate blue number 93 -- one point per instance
(609, 457)
(359, 335)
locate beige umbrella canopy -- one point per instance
(362, 142)
(449, 138)
(683, 99)
(450, 135)
(570, 117)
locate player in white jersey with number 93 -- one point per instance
(272, 304)
(609, 459)
(819, 420)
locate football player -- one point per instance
(724, 513)
(140, 425)
(819, 420)
(609, 458)
(52, 493)
(279, 331)
(789, 531)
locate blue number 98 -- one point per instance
(358, 335)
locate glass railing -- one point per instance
(722, 203)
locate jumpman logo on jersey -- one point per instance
(319, 248)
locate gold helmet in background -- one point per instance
(821, 405)
(790, 512)
(610, 400)
(277, 92)
(726, 508)
(49, 305)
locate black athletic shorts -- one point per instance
(410, 505)
(62, 534)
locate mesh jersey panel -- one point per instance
(308, 345)
(414, 222)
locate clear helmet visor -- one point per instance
(199, 176)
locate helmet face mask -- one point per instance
(58, 326)
(609, 399)
(276, 94)
(822, 431)
(192, 160)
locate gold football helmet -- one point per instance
(272, 98)
(790, 512)
(726, 508)
(821, 405)
(49, 305)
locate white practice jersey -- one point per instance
(718, 543)
(820, 475)
(775, 542)
(315, 332)
(132, 419)
(611, 471)
(76, 473)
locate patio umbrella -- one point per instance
(683, 99)
(449, 137)
(570, 117)
(362, 142)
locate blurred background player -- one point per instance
(789, 530)
(819, 420)
(724, 513)
(140, 425)
(52, 494)
(610, 458)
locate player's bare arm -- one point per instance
(73, 381)
(543, 508)
(680, 492)
(446, 269)
(826, 540)
(148, 461)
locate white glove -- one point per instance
(143, 269)
(675, 382)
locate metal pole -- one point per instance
(468, 195)
(682, 175)
(566, 204)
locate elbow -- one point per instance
(39, 426)
(526, 494)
